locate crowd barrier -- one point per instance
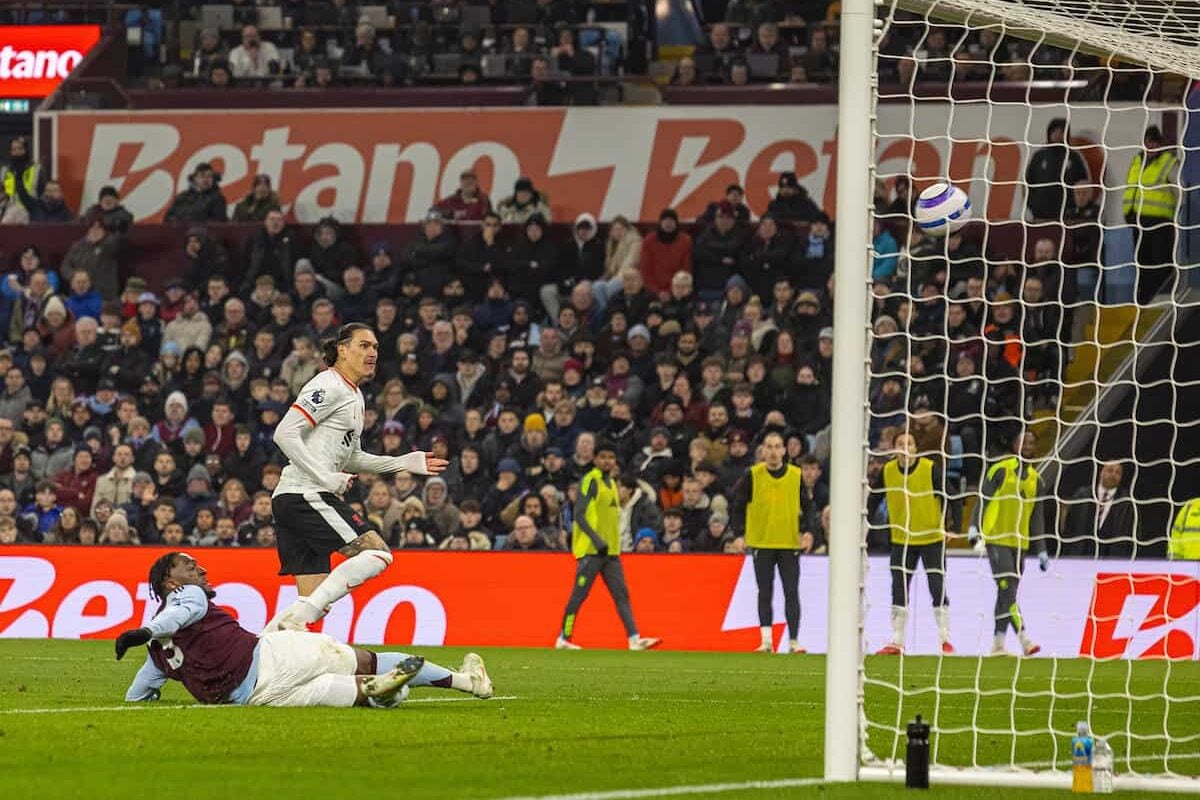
(694, 602)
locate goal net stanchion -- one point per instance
(1082, 326)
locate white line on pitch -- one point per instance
(154, 707)
(675, 791)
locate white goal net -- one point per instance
(1033, 388)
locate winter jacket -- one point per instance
(477, 262)
(49, 462)
(459, 209)
(513, 214)
(431, 259)
(640, 512)
(716, 258)
(210, 260)
(117, 219)
(115, 486)
(128, 367)
(330, 262)
(187, 332)
(270, 255)
(194, 205)
(797, 208)
(251, 209)
(75, 489)
(580, 260)
(530, 266)
(661, 260)
(623, 254)
(98, 260)
(766, 261)
(88, 304)
(82, 366)
(806, 407)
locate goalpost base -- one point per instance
(982, 776)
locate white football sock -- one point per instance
(899, 620)
(352, 572)
(1026, 642)
(942, 615)
(766, 635)
(998, 641)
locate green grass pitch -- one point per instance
(563, 724)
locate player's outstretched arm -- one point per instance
(288, 439)
(416, 462)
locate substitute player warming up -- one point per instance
(596, 543)
(321, 436)
(1007, 520)
(767, 505)
(915, 491)
(196, 642)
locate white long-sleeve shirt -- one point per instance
(321, 435)
(253, 63)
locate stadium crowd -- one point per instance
(129, 416)
(563, 50)
(133, 416)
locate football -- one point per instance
(942, 209)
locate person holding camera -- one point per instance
(254, 58)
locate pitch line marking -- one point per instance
(675, 791)
(155, 707)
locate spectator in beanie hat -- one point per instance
(792, 203)
(665, 252)
(525, 202)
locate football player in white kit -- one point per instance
(320, 435)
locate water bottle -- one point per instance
(1081, 759)
(916, 764)
(1102, 767)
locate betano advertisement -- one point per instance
(35, 59)
(697, 602)
(391, 165)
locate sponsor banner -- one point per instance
(391, 165)
(692, 602)
(35, 59)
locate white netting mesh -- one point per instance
(1068, 310)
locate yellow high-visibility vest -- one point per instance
(773, 513)
(1006, 518)
(29, 177)
(914, 510)
(1147, 191)
(1185, 533)
(603, 514)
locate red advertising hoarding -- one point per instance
(696, 602)
(391, 165)
(35, 59)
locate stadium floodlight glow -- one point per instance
(1111, 70)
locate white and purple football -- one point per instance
(942, 209)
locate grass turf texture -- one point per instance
(579, 721)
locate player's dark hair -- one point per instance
(329, 347)
(159, 571)
(773, 432)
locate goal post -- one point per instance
(1107, 327)
(852, 275)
